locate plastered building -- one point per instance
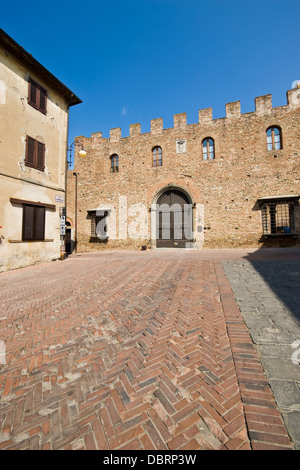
(234, 180)
(34, 113)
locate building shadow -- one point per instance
(279, 267)
(278, 259)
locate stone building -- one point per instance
(229, 182)
(34, 113)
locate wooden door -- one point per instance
(174, 218)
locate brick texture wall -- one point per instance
(227, 188)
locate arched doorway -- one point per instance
(174, 216)
(68, 239)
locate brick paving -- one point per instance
(131, 350)
(267, 292)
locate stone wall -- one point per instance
(224, 190)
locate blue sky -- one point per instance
(135, 60)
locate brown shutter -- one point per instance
(33, 222)
(30, 151)
(33, 87)
(43, 99)
(28, 217)
(40, 155)
(39, 223)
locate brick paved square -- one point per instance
(130, 350)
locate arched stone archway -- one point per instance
(69, 242)
(172, 218)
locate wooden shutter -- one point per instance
(43, 99)
(35, 154)
(33, 90)
(33, 223)
(28, 218)
(40, 155)
(30, 151)
(37, 96)
(39, 229)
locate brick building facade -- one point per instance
(231, 181)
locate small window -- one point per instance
(99, 224)
(278, 217)
(35, 154)
(114, 163)
(33, 223)
(208, 148)
(37, 96)
(157, 156)
(274, 140)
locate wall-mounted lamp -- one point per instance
(81, 153)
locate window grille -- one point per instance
(99, 225)
(278, 217)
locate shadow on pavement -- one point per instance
(280, 269)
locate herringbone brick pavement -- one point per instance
(130, 351)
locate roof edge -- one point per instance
(21, 54)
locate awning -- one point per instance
(284, 198)
(102, 209)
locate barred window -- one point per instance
(114, 163)
(274, 139)
(156, 156)
(208, 149)
(278, 215)
(99, 224)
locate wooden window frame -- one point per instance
(14, 200)
(114, 163)
(273, 143)
(35, 157)
(205, 144)
(34, 223)
(156, 156)
(39, 92)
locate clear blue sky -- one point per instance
(135, 60)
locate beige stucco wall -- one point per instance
(19, 119)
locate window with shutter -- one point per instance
(40, 155)
(43, 99)
(28, 222)
(37, 96)
(33, 223)
(35, 154)
(33, 92)
(30, 151)
(39, 223)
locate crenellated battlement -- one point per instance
(263, 106)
